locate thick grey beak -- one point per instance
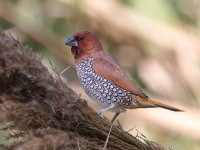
(71, 42)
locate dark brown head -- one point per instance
(83, 44)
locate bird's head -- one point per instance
(83, 43)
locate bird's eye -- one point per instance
(81, 38)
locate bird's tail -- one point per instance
(152, 103)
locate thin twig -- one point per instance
(79, 146)
(105, 145)
(65, 70)
(131, 129)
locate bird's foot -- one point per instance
(119, 126)
(100, 114)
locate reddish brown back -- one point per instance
(106, 67)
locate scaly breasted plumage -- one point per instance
(103, 79)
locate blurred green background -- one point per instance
(157, 42)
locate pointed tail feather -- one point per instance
(151, 103)
(158, 104)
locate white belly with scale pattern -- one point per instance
(101, 90)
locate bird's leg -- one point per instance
(102, 110)
(114, 117)
(119, 126)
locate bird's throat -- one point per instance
(74, 50)
(78, 54)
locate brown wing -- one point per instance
(106, 67)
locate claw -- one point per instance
(100, 114)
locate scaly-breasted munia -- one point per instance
(103, 79)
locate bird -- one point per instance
(103, 79)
